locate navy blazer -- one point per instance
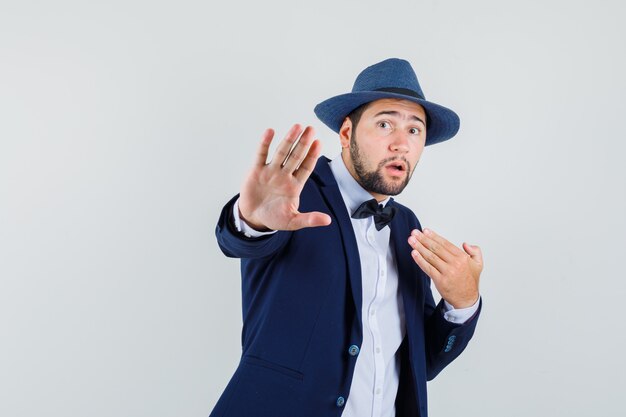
(301, 299)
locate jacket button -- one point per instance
(353, 350)
(341, 401)
(451, 340)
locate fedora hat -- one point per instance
(391, 78)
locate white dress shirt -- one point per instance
(377, 369)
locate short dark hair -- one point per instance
(355, 115)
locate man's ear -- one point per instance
(345, 132)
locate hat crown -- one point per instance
(392, 73)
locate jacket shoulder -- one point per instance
(407, 215)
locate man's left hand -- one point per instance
(455, 272)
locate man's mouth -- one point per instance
(396, 167)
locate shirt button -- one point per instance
(377, 350)
(382, 273)
(341, 401)
(378, 391)
(353, 350)
(373, 312)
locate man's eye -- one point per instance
(384, 125)
(415, 131)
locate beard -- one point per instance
(373, 181)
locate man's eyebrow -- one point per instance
(397, 114)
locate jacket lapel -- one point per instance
(330, 191)
(407, 276)
(411, 285)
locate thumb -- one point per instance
(474, 252)
(313, 219)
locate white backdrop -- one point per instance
(126, 125)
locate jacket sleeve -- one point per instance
(444, 340)
(235, 245)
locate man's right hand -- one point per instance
(270, 195)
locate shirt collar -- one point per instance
(353, 194)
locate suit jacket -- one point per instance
(301, 301)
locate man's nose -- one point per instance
(400, 142)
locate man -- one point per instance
(339, 318)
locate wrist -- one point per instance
(459, 305)
(256, 226)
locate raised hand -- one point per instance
(270, 195)
(454, 272)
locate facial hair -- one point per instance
(373, 181)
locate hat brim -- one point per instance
(442, 123)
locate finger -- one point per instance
(264, 147)
(299, 151)
(312, 219)
(308, 164)
(428, 269)
(285, 146)
(451, 247)
(435, 247)
(430, 257)
(474, 252)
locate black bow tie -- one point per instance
(382, 216)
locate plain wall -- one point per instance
(126, 125)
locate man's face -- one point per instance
(381, 153)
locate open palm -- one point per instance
(270, 195)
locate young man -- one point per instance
(339, 318)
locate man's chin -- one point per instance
(395, 184)
(393, 188)
(382, 183)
